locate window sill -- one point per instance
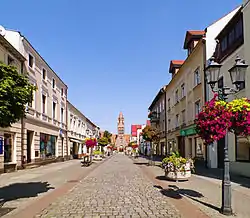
(182, 98)
(32, 69)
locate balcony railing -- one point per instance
(154, 117)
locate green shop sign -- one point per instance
(187, 132)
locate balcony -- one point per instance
(154, 117)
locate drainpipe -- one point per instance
(23, 158)
(166, 123)
(205, 89)
(67, 143)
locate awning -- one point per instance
(75, 140)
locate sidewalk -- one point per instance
(204, 191)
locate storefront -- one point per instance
(194, 146)
(47, 146)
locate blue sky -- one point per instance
(113, 54)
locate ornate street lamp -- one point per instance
(237, 74)
(87, 131)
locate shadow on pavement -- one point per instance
(22, 190)
(177, 193)
(218, 173)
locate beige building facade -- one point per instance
(10, 138)
(79, 128)
(44, 128)
(157, 117)
(234, 41)
(185, 97)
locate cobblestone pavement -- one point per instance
(117, 188)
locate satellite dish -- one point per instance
(2, 31)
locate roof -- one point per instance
(175, 63)
(4, 42)
(193, 34)
(227, 26)
(157, 97)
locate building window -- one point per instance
(169, 103)
(163, 104)
(231, 37)
(160, 108)
(62, 91)
(62, 114)
(197, 78)
(8, 148)
(224, 44)
(239, 29)
(47, 145)
(183, 116)
(53, 83)
(54, 110)
(10, 60)
(169, 122)
(182, 90)
(177, 120)
(31, 61)
(197, 107)
(242, 149)
(176, 96)
(43, 104)
(44, 74)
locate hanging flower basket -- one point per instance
(218, 116)
(90, 143)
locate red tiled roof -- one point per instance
(193, 34)
(175, 63)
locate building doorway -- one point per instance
(8, 148)
(29, 145)
(75, 150)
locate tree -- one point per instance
(151, 135)
(15, 93)
(103, 141)
(108, 135)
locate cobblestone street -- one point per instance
(117, 188)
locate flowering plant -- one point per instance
(90, 143)
(176, 163)
(218, 116)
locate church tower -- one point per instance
(120, 140)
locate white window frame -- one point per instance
(44, 79)
(54, 116)
(183, 90)
(195, 108)
(177, 120)
(197, 79)
(34, 61)
(46, 103)
(176, 96)
(53, 79)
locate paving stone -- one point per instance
(117, 188)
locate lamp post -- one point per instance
(237, 75)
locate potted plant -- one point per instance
(97, 155)
(177, 167)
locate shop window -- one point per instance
(199, 150)
(47, 145)
(242, 149)
(8, 148)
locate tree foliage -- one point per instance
(108, 135)
(151, 134)
(15, 93)
(103, 141)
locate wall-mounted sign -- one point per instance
(1, 145)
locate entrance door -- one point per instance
(220, 152)
(29, 144)
(75, 150)
(181, 145)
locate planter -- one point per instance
(97, 157)
(179, 175)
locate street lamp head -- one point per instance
(87, 131)
(212, 72)
(238, 72)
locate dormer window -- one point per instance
(192, 38)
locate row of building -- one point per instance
(177, 104)
(53, 128)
